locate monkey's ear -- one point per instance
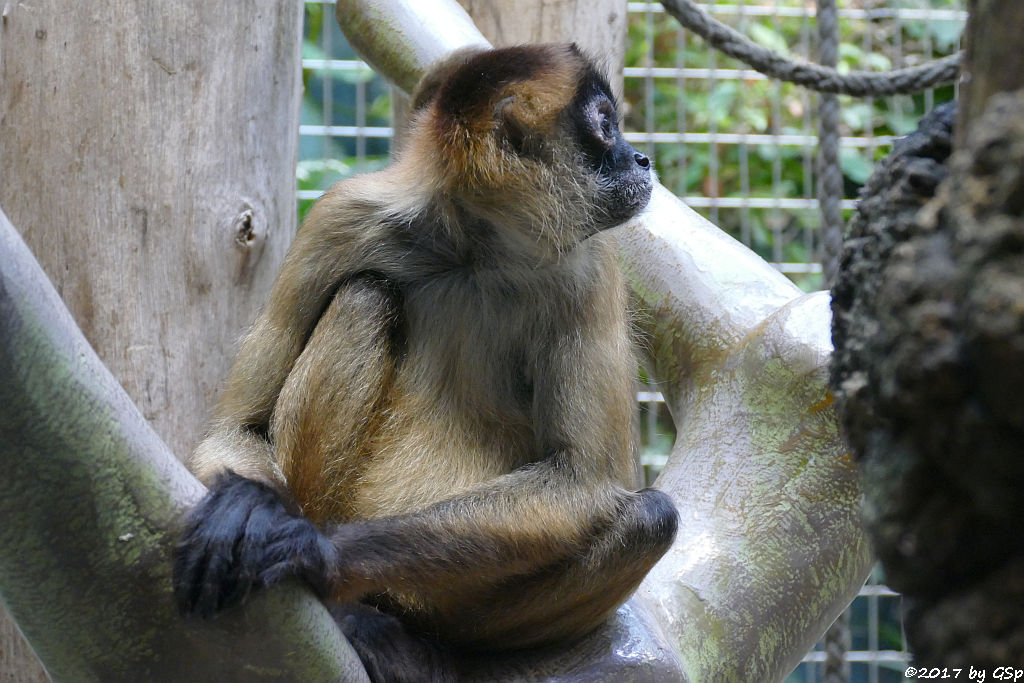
(531, 107)
(439, 72)
(512, 125)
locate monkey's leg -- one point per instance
(526, 559)
(571, 598)
(329, 406)
(246, 533)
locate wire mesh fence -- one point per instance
(741, 148)
(738, 147)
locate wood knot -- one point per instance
(245, 229)
(248, 230)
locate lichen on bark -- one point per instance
(929, 335)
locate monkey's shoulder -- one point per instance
(367, 205)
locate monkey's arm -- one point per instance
(544, 552)
(247, 531)
(330, 246)
(541, 513)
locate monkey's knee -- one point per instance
(649, 521)
(620, 558)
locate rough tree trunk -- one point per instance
(995, 60)
(147, 155)
(929, 363)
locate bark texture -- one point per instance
(929, 362)
(18, 664)
(994, 61)
(147, 155)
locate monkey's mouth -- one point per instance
(629, 198)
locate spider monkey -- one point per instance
(433, 414)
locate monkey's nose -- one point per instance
(641, 160)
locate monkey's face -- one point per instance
(528, 138)
(623, 175)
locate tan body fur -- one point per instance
(442, 378)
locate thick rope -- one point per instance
(824, 78)
(813, 76)
(830, 175)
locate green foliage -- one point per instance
(749, 105)
(332, 96)
(756, 106)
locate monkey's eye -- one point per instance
(606, 123)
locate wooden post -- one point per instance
(147, 154)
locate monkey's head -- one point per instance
(529, 135)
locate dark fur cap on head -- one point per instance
(474, 100)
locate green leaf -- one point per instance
(756, 118)
(765, 36)
(945, 34)
(900, 123)
(855, 166)
(850, 52)
(877, 62)
(857, 116)
(312, 51)
(721, 99)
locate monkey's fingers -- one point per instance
(206, 563)
(295, 547)
(204, 575)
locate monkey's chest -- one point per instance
(475, 348)
(459, 410)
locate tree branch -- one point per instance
(89, 504)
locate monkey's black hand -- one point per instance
(241, 537)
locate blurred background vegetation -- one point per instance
(710, 93)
